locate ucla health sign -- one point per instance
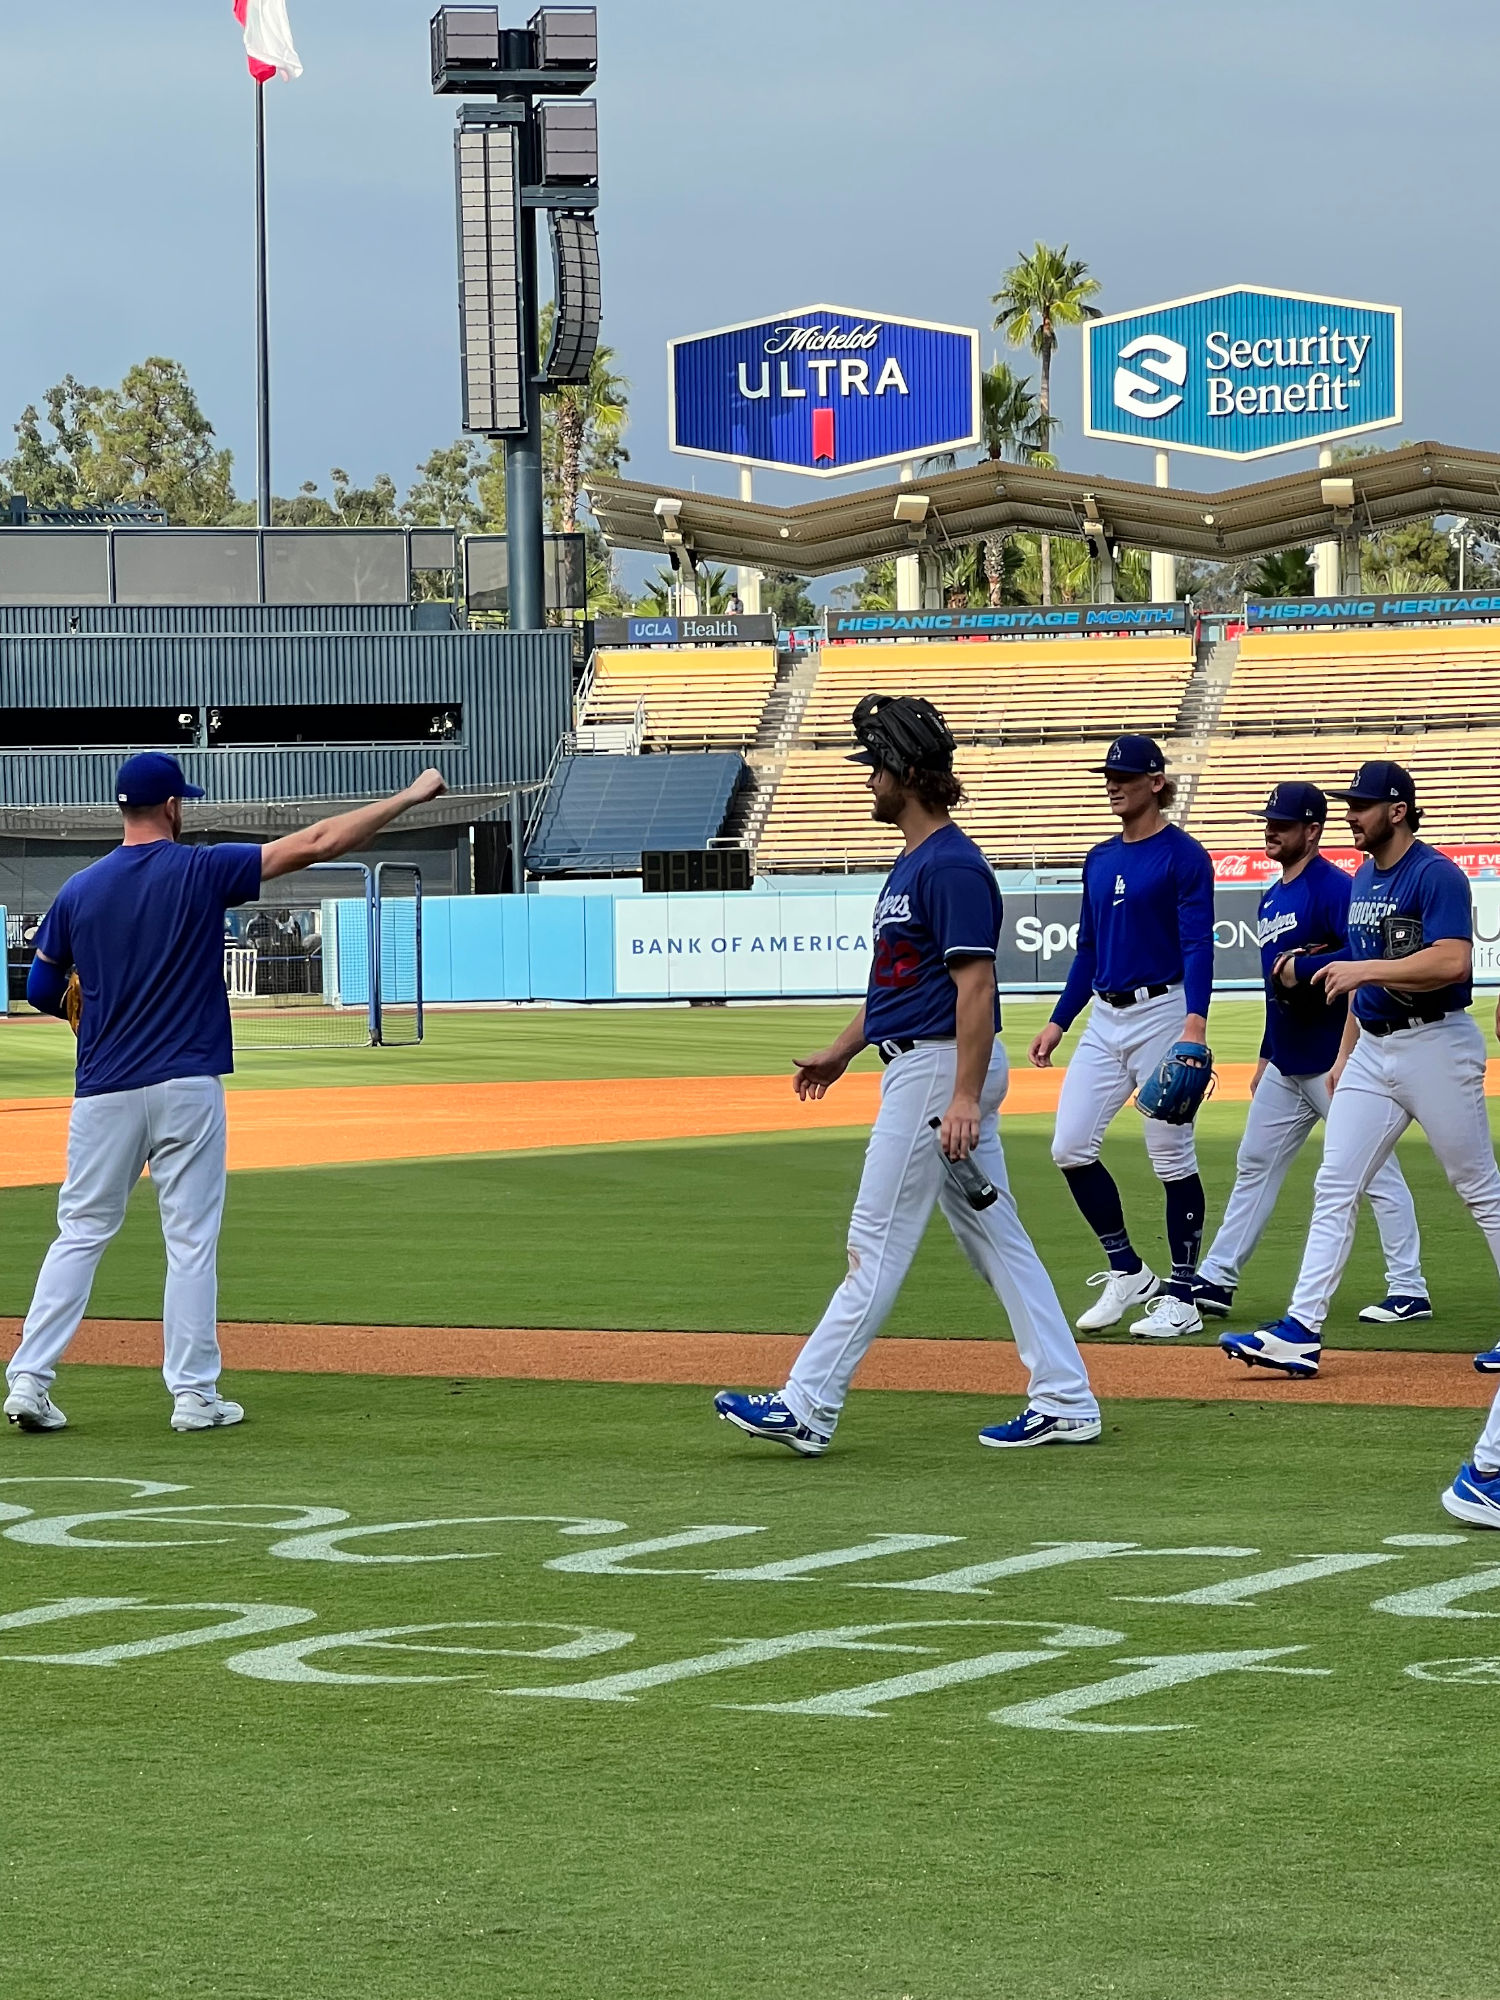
(1242, 373)
(824, 390)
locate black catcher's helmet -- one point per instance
(902, 732)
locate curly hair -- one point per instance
(939, 791)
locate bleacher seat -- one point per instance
(1021, 691)
(1457, 773)
(1295, 683)
(601, 811)
(695, 698)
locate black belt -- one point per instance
(1381, 1028)
(902, 1045)
(1136, 993)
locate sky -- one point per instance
(890, 155)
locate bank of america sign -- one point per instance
(1243, 372)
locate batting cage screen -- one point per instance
(334, 961)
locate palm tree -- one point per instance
(1015, 429)
(1287, 573)
(1037, 295)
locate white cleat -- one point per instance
(30, 1408)
(1167, 1318)
(192, 1412)
(1121, 1291)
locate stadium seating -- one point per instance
(1301, 682)
(697, 698)
(601, 811)
(997, 692)
(1457, 773)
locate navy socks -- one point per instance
(1093, 1188)
(1185, 1203)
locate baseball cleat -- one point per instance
(194, 1412)
(30, 1408)
(1036, 1427)
(1216, 1300)
(1396, 1306)
(1488, 1363)
(1474, 1497)
(1166, 1317)
(1121, 1290)
(762, 1415)
(1284, 1345)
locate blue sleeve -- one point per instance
(54, 937)
(1333, 924)
(962, 908)
(1195, 929)
(234, 870)
(1446, 904)
(1080, 983)
(46, 984)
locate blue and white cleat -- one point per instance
(762, 1415)
(1036, 1427)
(1284, 1345)
(1397, 1306)
(1488, 1363)
(1474, 1497)
(1216, 1300)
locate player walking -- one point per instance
(1302, 917)
(144, 929)
(933, 1012)
(1410, 1051)
(1145, 954)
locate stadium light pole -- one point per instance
(515, 157)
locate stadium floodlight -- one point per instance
(911, 508)
(1337, 493)
(491, 298)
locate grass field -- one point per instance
(387, 1816)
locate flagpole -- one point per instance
(262, 323)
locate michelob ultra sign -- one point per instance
(825, 390)
(1243, 372)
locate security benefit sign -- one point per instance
(825, 390)
(1242, 373)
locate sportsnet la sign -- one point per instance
(1242, 373)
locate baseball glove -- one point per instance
(1304, 1001)
(72, 1005)
(1182, 1080)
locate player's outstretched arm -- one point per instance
(1445, 962)
(813, 1075)
(345, 833)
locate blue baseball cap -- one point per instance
(1294, 802)
(1379, 780)
(1131, 757)
(150, 779)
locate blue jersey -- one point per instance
(940, 904)
(1147, 920)
(1423, 884)
(145, 929)
(1310, 913)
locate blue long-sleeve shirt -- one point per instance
(1147, 920)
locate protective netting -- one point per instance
(297, 966)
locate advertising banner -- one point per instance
(1019, 621)
(729, 628)
(824, 390)
(1242, 372)
(1267, 613)
(1252, 864)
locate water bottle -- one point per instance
(972, 1182)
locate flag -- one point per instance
(268, 39)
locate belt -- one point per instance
(1382, 1028)
(902, 1045)
(1135, 993)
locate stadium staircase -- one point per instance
(1198, 718)
(780, 723)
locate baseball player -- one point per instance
(1303, 915)
(1145, 955)
(932, 1011)
(144, 931)
(1410, 1051)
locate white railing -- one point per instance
(239, 970)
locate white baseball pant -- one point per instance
(179, 1129)
(1118, 1050)
(1282, 1113)
(903, 1177)
(1487, 1451)
(1431, 1075)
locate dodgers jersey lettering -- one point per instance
(1312, 909)
(941, 902)
(145, 928)
(1147, 920)
(1423, 884)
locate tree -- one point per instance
(1287, 573)
(442, 495)
(784, 594)
(714, 591)
(1014, 428)
(1037, 295)
(583, 431)
(55, 471)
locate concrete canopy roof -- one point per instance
(996, 497)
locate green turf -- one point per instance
(737, 1234)
(524, 1044)
(174, 1829)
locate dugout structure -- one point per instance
(334, 960)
